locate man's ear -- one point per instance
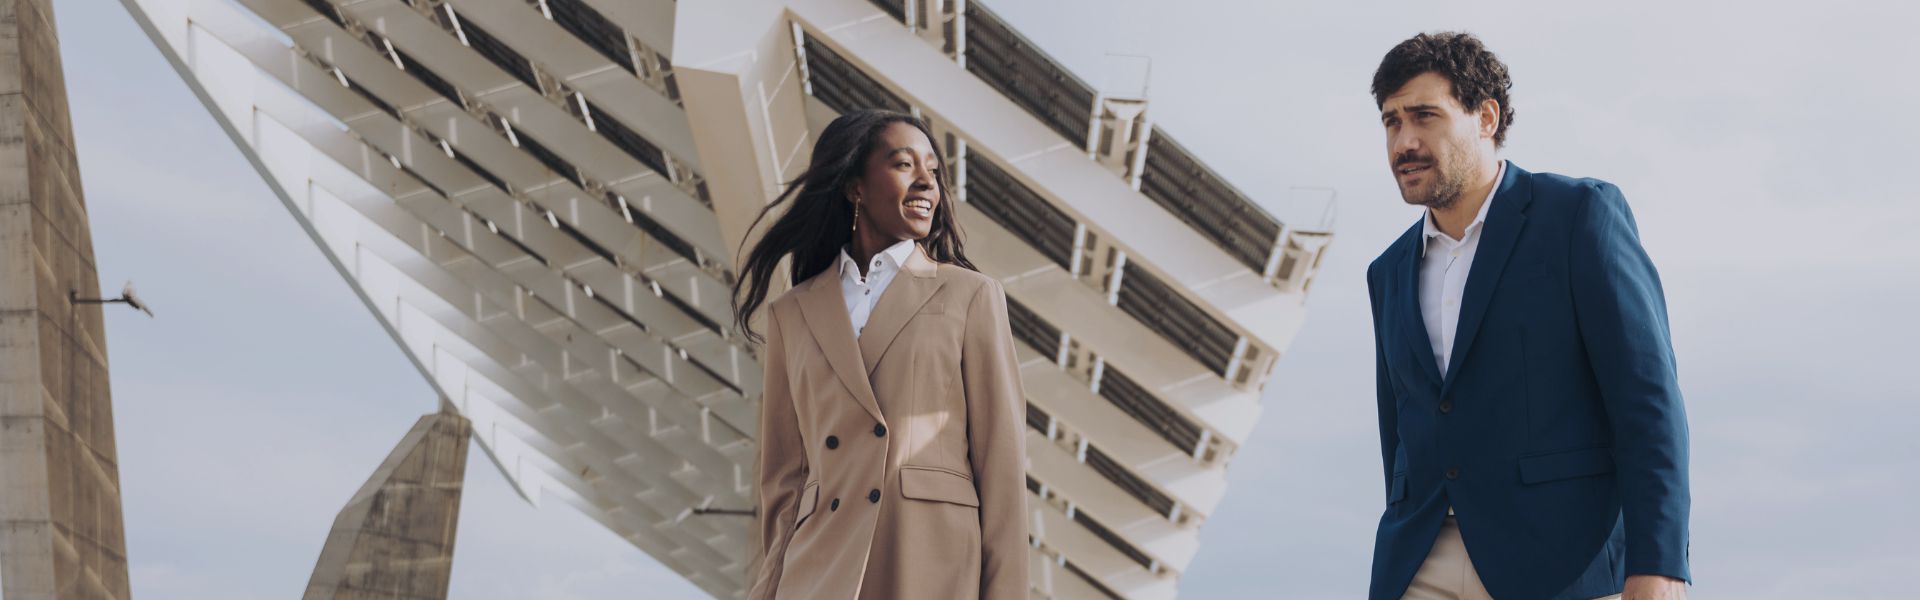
(1488, 118)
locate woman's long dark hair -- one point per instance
(819, 219)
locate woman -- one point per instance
(892, 451)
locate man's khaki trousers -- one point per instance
(1448, 574)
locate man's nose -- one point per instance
(1402, 143)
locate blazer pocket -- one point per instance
(1397, 491)
(809, 500)
(1566, 464)
(938, 485)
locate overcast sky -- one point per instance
(1768, 152)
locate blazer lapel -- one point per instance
(1413, 324)
(825, 311)
(1502, 229)
(904, 296)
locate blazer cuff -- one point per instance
(1666, 564)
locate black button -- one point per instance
(833, 442)
(879, 430)
(1446, 407)
(1453, 473)
(874, 496)
(835, 506)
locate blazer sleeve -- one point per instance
(782, 470)
(1622, 317)
(996, 443)
(1388, 406)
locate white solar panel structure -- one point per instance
(540, 201)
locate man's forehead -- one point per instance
(1429, 89)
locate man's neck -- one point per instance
(1454, 219)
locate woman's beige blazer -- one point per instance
(893, 466)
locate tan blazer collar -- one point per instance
(919, 264)
(825, 312)
(897, 305)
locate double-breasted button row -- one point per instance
(872, 496)
(833, 442)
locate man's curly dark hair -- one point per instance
(1477, 75)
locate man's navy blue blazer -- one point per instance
(1557, 434)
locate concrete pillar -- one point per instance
(394, 539)
(61, 534)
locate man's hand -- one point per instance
(1654, 587)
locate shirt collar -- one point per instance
(1429, 229)
(892, 257)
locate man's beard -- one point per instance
(1449, 181)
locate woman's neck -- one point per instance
(865, 245)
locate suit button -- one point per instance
(835, 506)
(1453, 473)
(833, 442)
(874, 496)
(1446, 407)
(879, 430)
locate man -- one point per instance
(1531, 426)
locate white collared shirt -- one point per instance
(1444, 264)
(861, 293)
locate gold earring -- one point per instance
(856, 215)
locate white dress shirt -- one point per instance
(861, 293)
(1444, 263)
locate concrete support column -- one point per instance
(61, 534)
(394, 539)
